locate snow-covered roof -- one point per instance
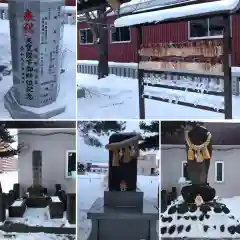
(140, 5)
(178, 12)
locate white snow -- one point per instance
(111, 64)
(39, 217)
(7, 180)
(216, 219)
(32, 236)
(17, 203)
(178, 12)
(117, 97)
(91, 186)
(55, 199)
(32, 216)
(67, 94)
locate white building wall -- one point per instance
(54, 158)
(171, 168)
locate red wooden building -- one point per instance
(122, 42)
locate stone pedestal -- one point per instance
(123, 215)
(36, 30)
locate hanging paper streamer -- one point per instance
(198, 152)
(126, 149)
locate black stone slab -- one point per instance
(56, 209)
(17, 211)
(71, 208)
(124, 199)
(126, 171)
(126, 223)
(37, 202)
(11, 227)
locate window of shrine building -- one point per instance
(120, 35)
(85, 36)
(206, 28)
(71, 164)
(184, 170)
(219, 171)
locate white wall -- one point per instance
(53, 149)
(171, 168)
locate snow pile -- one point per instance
(40, 217)
(117, 97)
(206, 221)
(34, 236)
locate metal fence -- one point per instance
(122, 71)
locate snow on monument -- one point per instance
(197, 212)
(36, 31)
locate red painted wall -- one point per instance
(172, 32)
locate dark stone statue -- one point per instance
(199, 153)
(122, 165)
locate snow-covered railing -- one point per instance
(119, 69)
(184, 83)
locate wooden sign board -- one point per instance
(199, 57)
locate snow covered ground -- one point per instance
(117, 97)
(67, 92)
(214, 222)
(91, 186)
(32, 218)
(34, 236)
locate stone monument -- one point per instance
(123, 213)
(199, 152)
(36, 31)
(198, 214)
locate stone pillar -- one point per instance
(36, 31)
(2, 208)
(16, 189)
(71, 208)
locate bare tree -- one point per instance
(97, 22)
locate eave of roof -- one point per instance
(179, 13)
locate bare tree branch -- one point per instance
(93, 27)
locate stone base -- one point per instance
(56, 210)
(17, 211)
(19, 112)
(124, 199)
(126, 223)
(37, 202)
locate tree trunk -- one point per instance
(103, 45)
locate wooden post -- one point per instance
(140, 75)
(227, 64)
(115, 4)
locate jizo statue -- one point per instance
(199, 152)
(123, 154)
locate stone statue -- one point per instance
(199, 152)
(123, 154)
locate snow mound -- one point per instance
(211, 220)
